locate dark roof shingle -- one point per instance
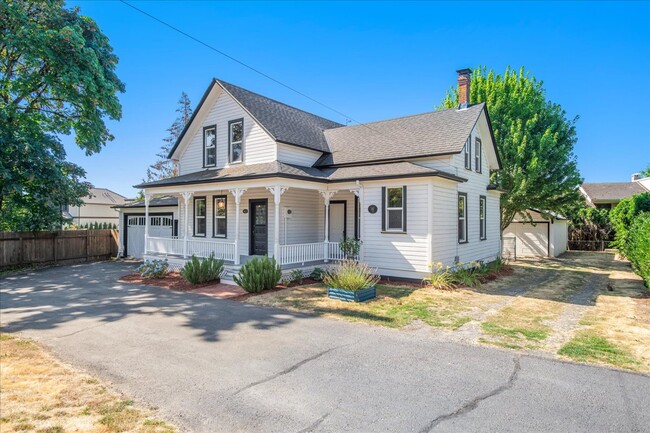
(428, 134)
(608, 191)
(284, 122)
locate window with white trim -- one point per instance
(478, 155)
(482, 217)
(394, 218)
(220, 209)
(210, 146)
(199, 216)
(236, 140)
(467, 150)
(462, 218)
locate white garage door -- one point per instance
(532, 240)
(159, 226)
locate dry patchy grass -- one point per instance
(40, 394)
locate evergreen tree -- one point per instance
(535, 142)
(164, 167)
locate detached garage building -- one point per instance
(542, 238)
(163, 222)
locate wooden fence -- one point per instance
(58, 247)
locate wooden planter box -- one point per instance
(351, 296)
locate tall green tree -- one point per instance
(164, 167)
(535, 140)
(57, 77)
(646, 172)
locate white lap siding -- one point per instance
(402, 255)
(258, 145)
(297, 155)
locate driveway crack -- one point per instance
(316, 423)
(473, 404)
(288, 370)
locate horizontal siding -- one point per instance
(392, 253)
(297, 155)
(258, 145)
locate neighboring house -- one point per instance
(260, 177)
(606, 195)
(97, 207)
(541, 237)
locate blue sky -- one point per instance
(377, 60)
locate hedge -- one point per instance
(638, 246)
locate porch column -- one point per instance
(186, 198)
(362, 205)
(327, 195)
(277, 192)
(147, 197)
(237, 193)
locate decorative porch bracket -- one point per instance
(277, 192)
(327, 196)
(237, 193)
(186, 199)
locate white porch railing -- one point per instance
(300, 253)
(199, 248)
(312, 252)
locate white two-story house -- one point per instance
(259, 177)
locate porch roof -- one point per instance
(284, 170)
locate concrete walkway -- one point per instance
(213, 365)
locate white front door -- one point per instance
(337, 222)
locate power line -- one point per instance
(176, 29)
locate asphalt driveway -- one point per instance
(212, 365)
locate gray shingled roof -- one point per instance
(281, 169)
(285, 123)
(154, 202)
(434, 133)
(608, 191)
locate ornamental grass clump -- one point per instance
(440, 278)
(153, 269)
(201, 271)
(258, 274)
(350, 275)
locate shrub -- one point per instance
(201, 271)
(350, 247)
(153, 269)
(297, 275)
(258, 274)
(440, 277)
(350, 275)
(638, 246)
(317, 274)
(624, 214)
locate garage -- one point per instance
(542, 238)
(163, 222)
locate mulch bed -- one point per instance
(172, 281)
(504, 272)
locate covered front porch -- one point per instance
(298, 223)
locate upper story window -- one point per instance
(478, 155)
(236, 140)
(199, 216)
(482, 217)
(220, 208)
(210, 146)
(462, 218)
(394, 215)
(468, 154)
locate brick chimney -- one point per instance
(463, 87)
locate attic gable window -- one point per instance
(478, 154)
(467, 150)
(210, 146)
(236, 140)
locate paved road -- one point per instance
(212, 365)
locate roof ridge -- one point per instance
(276, 101)
(406, 117)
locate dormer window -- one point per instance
(210, 146)
(236, 140)
(468, 154)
